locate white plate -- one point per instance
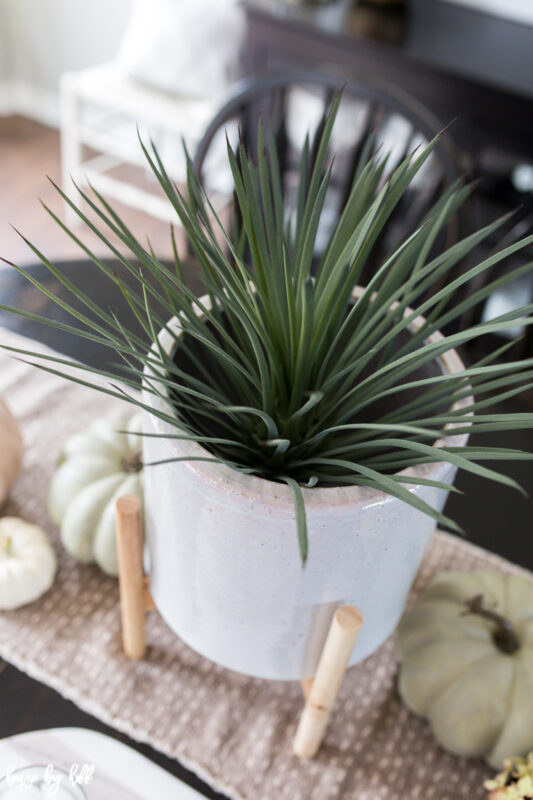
(120, 773)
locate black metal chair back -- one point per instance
(369, 115)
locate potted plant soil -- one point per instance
(301, 433)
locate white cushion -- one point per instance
(188, 47)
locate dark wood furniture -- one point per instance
(17, 292)
(463, 64)
(368, 107)
(370, 120)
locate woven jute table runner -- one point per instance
(233, 731)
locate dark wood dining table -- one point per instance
(493, 517)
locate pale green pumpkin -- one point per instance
(27, 563)
(466, 653)
(95, 468)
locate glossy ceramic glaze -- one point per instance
(226, 572)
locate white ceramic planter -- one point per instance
(226, 572)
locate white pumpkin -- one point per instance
(467, 663)
(10, 450)
(27, 563)
(95, 469)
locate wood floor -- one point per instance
(28, 153)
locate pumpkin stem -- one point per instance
(504, 635)
(5, 545)
(133, 463)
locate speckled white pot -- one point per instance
(226, 572)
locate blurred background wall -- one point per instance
(52, 37)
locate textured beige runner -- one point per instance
(233, 731)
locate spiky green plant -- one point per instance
(288, 368)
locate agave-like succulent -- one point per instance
(280, 374)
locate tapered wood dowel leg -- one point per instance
(322, 692)
(132, 584)
(149, 604)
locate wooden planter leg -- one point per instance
(136, 600)
(322, 691)
(135, 597)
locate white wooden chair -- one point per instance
(101, 108)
